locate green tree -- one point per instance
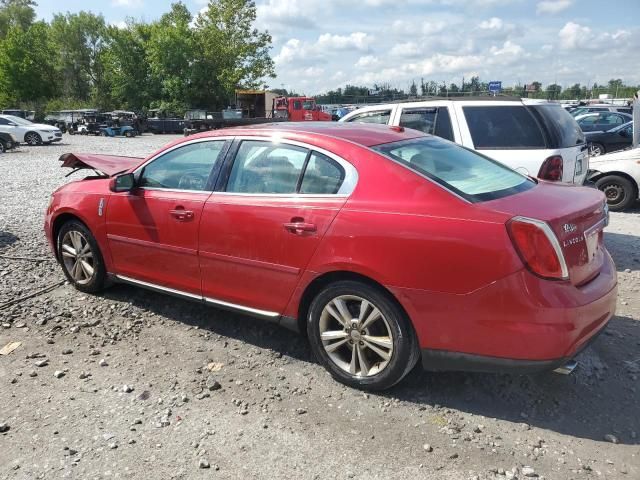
(232, 52)
(81, 40)
(413, 89)
(27, 71)
(16, 13)
(553, 91)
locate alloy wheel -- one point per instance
(32, 139)
(356, 336)
(595, 150)
(78, 257)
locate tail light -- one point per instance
(551, 169)
(538, 248)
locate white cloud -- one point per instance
(407, 50)
(355, 41)
(127, 3)
(367, 61)
(552, 6)
(494, 23)
(573, 36)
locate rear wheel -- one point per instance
(596, 149)
(80, 257)
(620, 191)
(361, 336)
(3, 147)
(33, 138)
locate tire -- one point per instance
(128, 134)
(596, 149)
(3, 147)
(104, 134)
(32, 138)
(621, 193)
(391, 327)
(90, 275)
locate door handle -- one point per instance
(181, 214)
(299, 227)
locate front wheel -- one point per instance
(620, 191)
(80, 257)
(361, 336)
(3, 147)
(32, 138)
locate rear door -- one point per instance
(153, 230)
(434, 118)
(265, 221)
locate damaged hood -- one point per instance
(107, 164)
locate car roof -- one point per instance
(363, 134)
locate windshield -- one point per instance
(467, 173)
(308, 105)
(18, 120)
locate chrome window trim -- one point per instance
(348, 184)
(350, 173)
(553, 239)
(173, 291)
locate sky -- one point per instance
(320, 45)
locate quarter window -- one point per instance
(185, 168)
(503, 127)
(381, 117)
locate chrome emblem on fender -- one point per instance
(101, 207)
(569, 228)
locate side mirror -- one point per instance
(122, 183)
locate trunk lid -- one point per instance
(577, 216)
(109, 165)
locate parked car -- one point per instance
(356, 235)
(601, 122)
(618, 176)
(537, 137)
(605, 107)
(116, 131)
(7, 142)
(614, 139)
(28, 132)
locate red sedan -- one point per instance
(384, 245)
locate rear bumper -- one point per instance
(517, 323)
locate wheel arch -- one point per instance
(24, 137)
(57, 224)
(321, 281)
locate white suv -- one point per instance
(29, 132)
(538, 138)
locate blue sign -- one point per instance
(495, 87)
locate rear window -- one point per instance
(503, 127)
(467, 173)
(562, 129)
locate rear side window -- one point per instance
(322, 176)
(562, 129)
(625, 110)
(462, 171)
(432, 120)
(381, 117)
(503, 127)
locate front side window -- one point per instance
(381, 117)
(465, 172)
(503, 127)
(308, 105)
(185, 168)
(297, 105)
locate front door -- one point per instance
(153, 231)
(258, 234)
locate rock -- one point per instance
(453, 456)
(301, 411)
(427, 448)
(203, 395)
(529, 472)
(212, 384)
(4, 427)
(113, 446)
(137, 421)
(611, 438)
(103, 363)
(83, 375)
(42, 363)
(20, 325)
(509, 474)
(67, 351)
(58, 374)
(127, 388)
(74, 329)
(33, 373)
(203, 463)
(131, 441)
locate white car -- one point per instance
(538, 138)
(618, 176)
(29, 132)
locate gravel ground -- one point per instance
(131, 382)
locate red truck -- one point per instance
(299, 109)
